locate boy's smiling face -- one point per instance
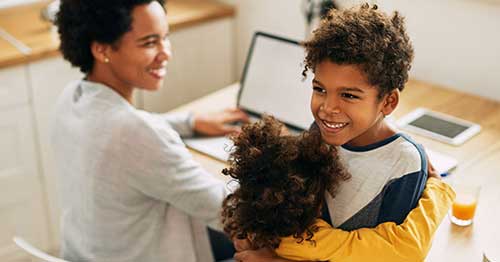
(347, 108)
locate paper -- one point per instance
(443, 164)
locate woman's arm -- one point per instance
(155, 163)
(388, 242)
(209, 124)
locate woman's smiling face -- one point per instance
(139, 58)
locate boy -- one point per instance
(360, 58)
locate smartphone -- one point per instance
(439, 126)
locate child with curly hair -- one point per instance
(282, 181)
(277, 206)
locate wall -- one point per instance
(456, 42)
(281, 17)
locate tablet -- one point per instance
(439, 126)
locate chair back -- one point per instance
(20, 242)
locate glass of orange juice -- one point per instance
(464, 207)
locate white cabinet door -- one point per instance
(13, 86)
(48, 78)
(22, 202)
(203, 61)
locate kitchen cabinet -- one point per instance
(23, 209)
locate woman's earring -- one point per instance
(106, 60)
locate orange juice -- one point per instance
(464, 207)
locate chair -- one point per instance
(20, 242)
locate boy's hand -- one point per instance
(431, 171)
(219, 123)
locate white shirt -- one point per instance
(129, 185)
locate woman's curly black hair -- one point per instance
(81, 22)
(282, 183)
(367, 37)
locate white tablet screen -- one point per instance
(439, 126)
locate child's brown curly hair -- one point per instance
(367, 37)
(282, 182)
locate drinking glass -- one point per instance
(464, 207)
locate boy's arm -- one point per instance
(401, 196)
(409, 241)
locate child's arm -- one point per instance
(401, 196)
(388, 242)
(403, 193)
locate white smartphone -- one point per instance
(439, 126)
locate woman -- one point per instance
(129, 185)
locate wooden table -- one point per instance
(479, 160)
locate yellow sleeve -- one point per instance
(409, 241)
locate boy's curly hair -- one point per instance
(81, 22)
(282, 182)
(367, 37)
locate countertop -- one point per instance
(25, 25)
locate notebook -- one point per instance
(271, 83)
(443, 164)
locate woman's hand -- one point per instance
(219, 123)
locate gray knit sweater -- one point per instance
(129, 187)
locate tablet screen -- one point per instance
(439, 126)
